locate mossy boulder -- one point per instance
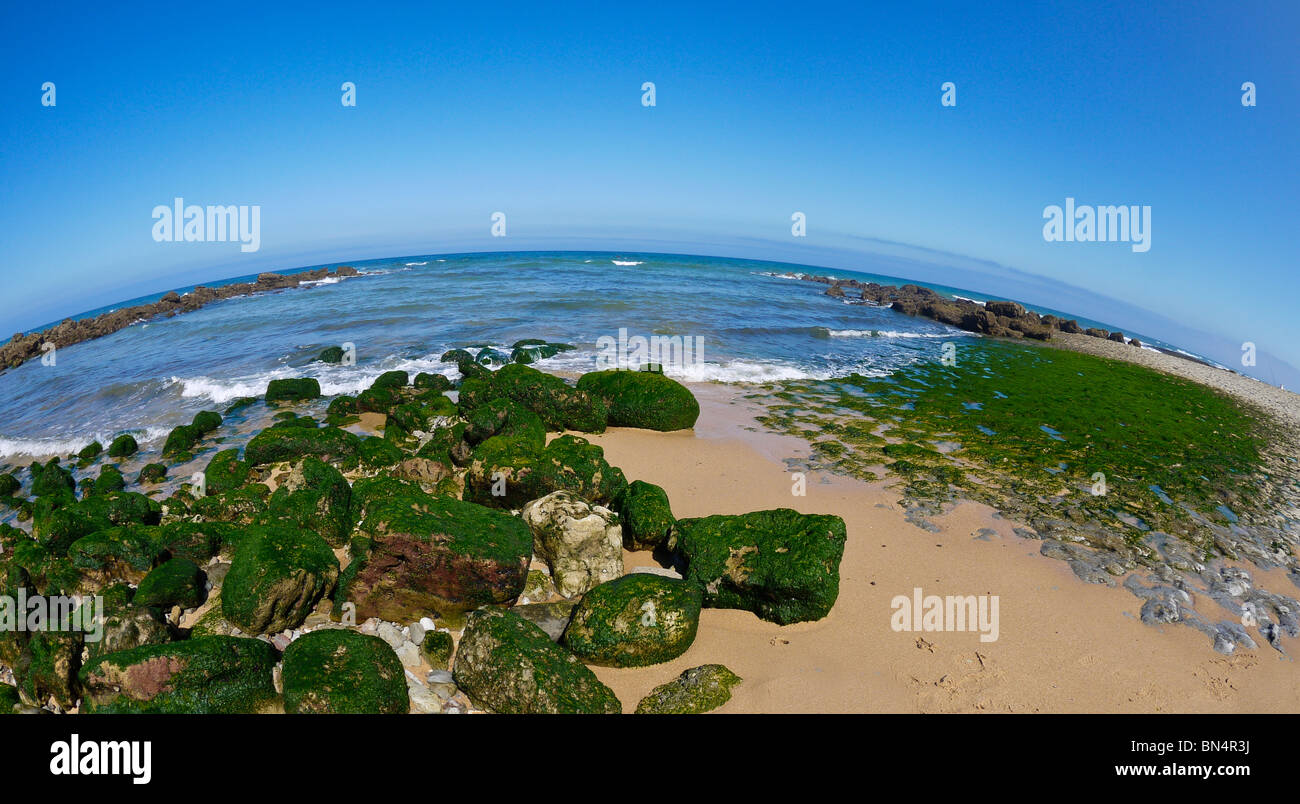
(9, 699)
(314, 496)
(331, 354)
(206, 421)
(437, 647)
(392, 379)
(242, 506)
(697, 690)
(634, 621)
(514, 467)
(509, 665)
(336, 671)
(276, 578)
(152, 473)
(9, 485)
(206, 675)
(51, 479)
(457, 356)
(559, 405)
(644, 399)
(490, 357)
(125, 553)
(90, 452)
(126, 625)
(432, 382)
(447, 445)
(225, 472)
(47, 668)
(376, 453)
(293, 390)
(780, 564)
(435, 554)
(124, 446)
(378, 400)
(646, 515)
(274, 444)
(175, 582)
(110, 479)
(200, 541)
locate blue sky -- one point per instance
(762, 110)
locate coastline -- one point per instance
(1064, 646)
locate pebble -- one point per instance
(409, 653)
(416, 630)
(390, 634)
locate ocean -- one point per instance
(756, 320)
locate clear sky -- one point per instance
(762, 110)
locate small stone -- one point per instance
(417, 632)
(409, 654)
(390, 634)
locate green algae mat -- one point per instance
(1042, 433)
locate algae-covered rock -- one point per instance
(436, 647)
(225, 472)
(580, 542)
(277, 577)
(514, 467)
(293, 390)
(273, 444)
(242, 506)
(700, 689)
(314, 496)
(456, 356)
(9, 484)
(8, 699)
(110, 479)
(331, 354)
(47, 668)
(433, 382)
(509, 665)
(175, 582)
(646, 516)
(152, 473)
(90, 452)
(552, 618)
(376, 453)
(123, 446)
(51, 479)
(124, 553)
(435, 554)
(205, 675)
(200, 541)
(644, 399)
(126, 625)
(559, 405)
(780, 564)
(336, 671)
(634, 621)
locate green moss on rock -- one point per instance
(644, 399)
(780, 564)
(646, 516)
(207, 675)
(634, 621)
(695, 691)
(437, 648)
(292, 390)
(277, 577)
(337, 671)
(291, 443)
(509, 665)
(175, 582)
(225, 472)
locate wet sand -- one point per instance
(1063, 646)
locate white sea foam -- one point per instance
(963, 298)
(426, 262)
(67, 445)
(627, 262)
(329, 280)
(893, 333)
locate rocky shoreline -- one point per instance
(23, 347)
(1005, 319)
(470, 558)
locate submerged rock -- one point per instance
(700, 689)
(509, 665)
(292, 390)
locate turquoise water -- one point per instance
(757, 323)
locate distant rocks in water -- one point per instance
(23, 347)
(695, 691)
(1005, 319)
(293, 390)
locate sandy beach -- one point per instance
(1064, 646)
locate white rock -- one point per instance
(580, 542)
(409, 653)
(666, 572)
(416, 630)
(390, 634)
